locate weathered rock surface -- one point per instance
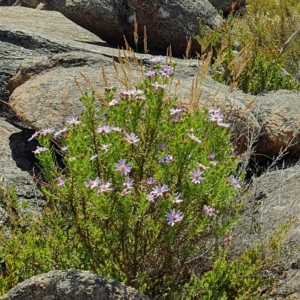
(38, 34)
(273, 201)
(278, 113)
(7, 2)
(72, 285)
(226, 5)
(221, 5)
(167, 22)
(27, 3)
(54, 101)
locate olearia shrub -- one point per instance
(137, 188)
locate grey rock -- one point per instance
(107, 19)
(24, 38)
(226, 5)
(7, 2)
(4, 220)
(72, 285)
(60, 98)
(40, 34)
(17, 165)
(170, 23)
(278, 114)
(27, 3)
(167, 22)
(16, 46)
(275, 197)
(273, 119)
(272, 201)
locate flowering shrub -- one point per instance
(138, 188)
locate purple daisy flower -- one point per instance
(176, 111)
(104, 129)
(234, 182)
(143, 188)
(128, 184)
(158, 86)
(114, 101)
(161, 147)
(166, 70)
(211, 155)
(150, 181)
(39, 150)
(59, 132)
(132, 138)
(159, 190)
(177, 198)
(60, 182)
(124, 192)
(209, 211)
(105, 147)
(174, 217)
(93, 157)
(46, 131)
(201, 166)
(166, 159)
(104, 187)
(150, 198)
(73, 121)
(36, 134)
(149, 73)
(134, 93)
(116, 129)
(216, 115)
(64, 148)
(226, 125)
(156, 59)
(91, 184)
(196, 176)
(194, 138)
(123, 167)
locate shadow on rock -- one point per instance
(21, 151)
